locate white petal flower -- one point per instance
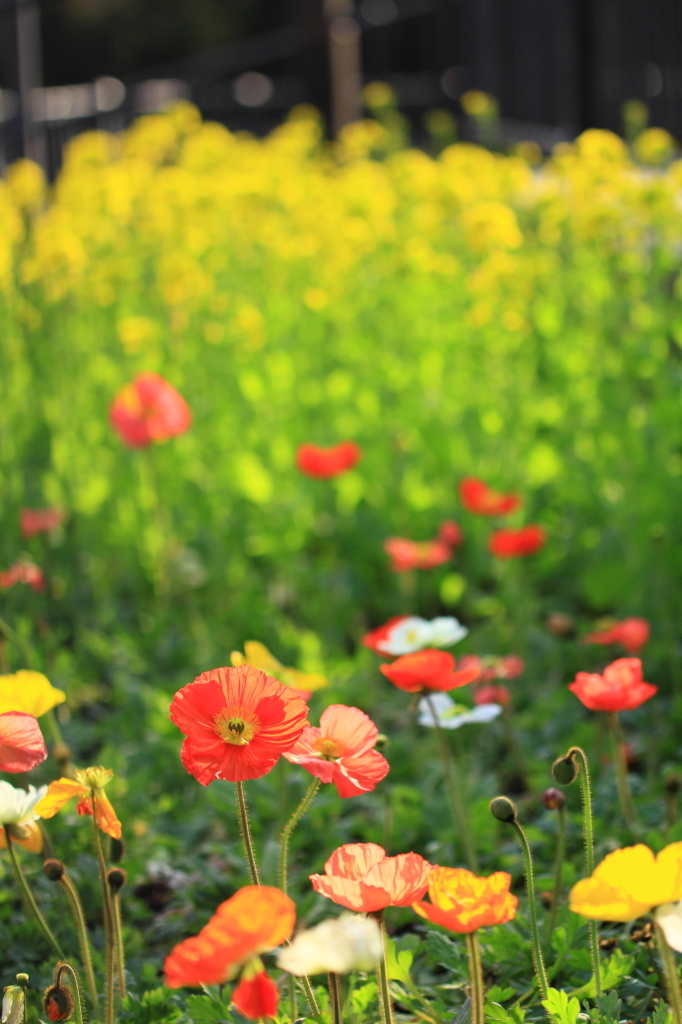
(16, 805)
(413, 633)
(340, 944)
(12, 1005)
(450, 715)
(669, 916)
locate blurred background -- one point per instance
(555, 67)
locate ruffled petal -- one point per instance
(22, 746)
(351, 727)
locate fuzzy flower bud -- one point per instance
(564, 770)
(117, 878)
(58, 1002)
(341, 945)
(54, 869)
(503, 809)
(553, 799)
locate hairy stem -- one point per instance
(453, 790)
(621, 769)
(29, 899)
(108, 914)
(335, 998)
(78, 1016)
(245, 830)
(382, 976)
(476, 979)
(670, 973)
(558, 874)
(81, 931)
(538, 961)
(119, 951)
(285, 836)
(579, 758)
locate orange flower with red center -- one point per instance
(361, 877)
(463, 902)
(88, 786)
(342, 751)
(631, 634)
(517, 543)
(620, 688)
(238, 722)
(253, 921)
(323, 463)
(22, 746)
(149, 409)
(39, 520)
(477, 497)
(427, 670)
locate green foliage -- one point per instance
(157, 1006)
(561, 1009)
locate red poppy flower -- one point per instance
(517, 543)
(22, 572)
(237, 722)
(620, 688)
(412, 554)
(253, 921)
(477, 497)
(342, 751)
(22, 746)
(39, 520)
(471, 662)
(323, 463)
(450, 533)
(427, 670)
(256, 997)
(361, 877)
(378, 636)
(630, 633)
(149, 409)
(492, 693)
(510, 666)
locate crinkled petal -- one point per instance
(22, 746)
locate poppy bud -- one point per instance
(22, 979)
(564, 770)
(54, 869)
(503, 809)
(560, 624)
(58, 1002)
(116, 878)
(547, 898)
(673, 784)
(553, 799)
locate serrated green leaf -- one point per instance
(561, 1009)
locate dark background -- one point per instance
(555, 66)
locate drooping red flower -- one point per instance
(630, 633)
(342, 751)
(361, 877)
(620, 688)
(238, 721)
(256, 997)
(39, 520)
(22, 572)
(492, 693)
(22, 746)
(517, 543)
(427, 670)
(149, 409)
(323, 463)
(477, 497)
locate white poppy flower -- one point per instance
(413, 633)
(17, 805)
(12, 1005)
(669, 916)
(339, 944)
(450, 715)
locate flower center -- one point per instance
(234, 728)
(328, 749)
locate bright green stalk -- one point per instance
(282, 868)
(29, 899)
(335, 998)
(453, 790)
(108, 914)
(620, 767)
(382, 976)
(476, 979)
(670, 973)
(246, 834)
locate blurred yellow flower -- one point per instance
(630, 882)
(654, 146)
(257, 655)
(30, 692)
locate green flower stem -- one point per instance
(119, 951)
(282, 867)
(620, 766)
(538, 961)
(28, 897)
(335, 998)
(476, 979)
(382, 976)
(78, 1016)
(108, 914)
(558, 874)
(293, 1002)
(246, 834)
(453, 790)
(81, 931)
(670, 973)
(579, 759)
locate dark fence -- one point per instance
(555, 66)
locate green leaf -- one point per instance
(398, 964)
(204, 1010)
(661, 1015)
(617, 967)
(609, 1006)
(561, 1009)
(498, 994)
(497, 1014)
(363, 997)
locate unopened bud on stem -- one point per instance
(565, 770)
(504, 809)
(553, 799)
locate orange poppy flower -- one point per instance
(22, 572)
(238, 722)
(517, 543)
(342, 751)
(22, 746)
(361, 877)
(427, 670)
(630, 633)
(463, 902)
(89, 787)
(620, 688)
(323, 463)
(253, 921)
(149, 409)
(39, 520)
(477, 497)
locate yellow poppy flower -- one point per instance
(630, 882)
(257, 655)
(88, 786)
(30, 692)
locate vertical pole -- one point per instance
(29, 67)
(344, 62)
